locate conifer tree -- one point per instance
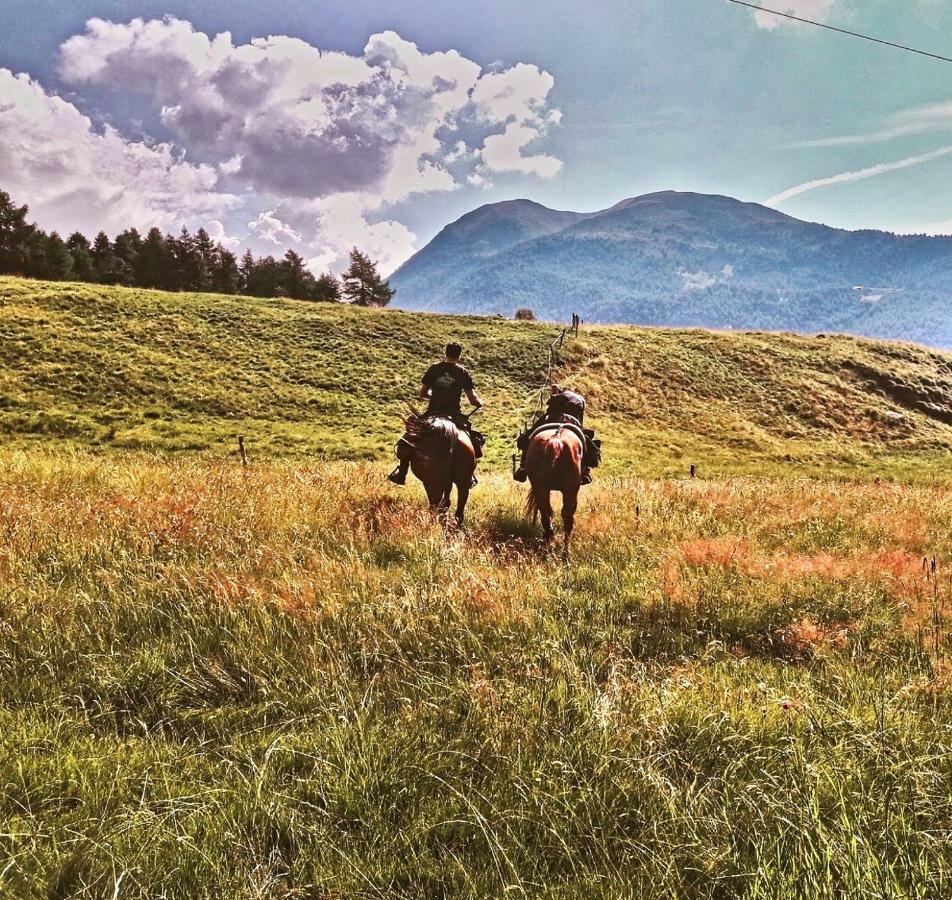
(15, 236)
(363, 286)
(78, 247)
(152, 261)
(327, 288)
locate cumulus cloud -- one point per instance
(81, 178)
(503, 153)
(341, 135)
(857, 175)
(817, 10)
(268, 227)
(343, 223)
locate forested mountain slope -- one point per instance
(685, 259)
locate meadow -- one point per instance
(284, 680)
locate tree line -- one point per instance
(187, 262)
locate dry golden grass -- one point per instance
(287, 681)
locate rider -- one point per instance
(563, 404)
(443, 385)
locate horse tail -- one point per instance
(550, 456)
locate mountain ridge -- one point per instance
(676, 258)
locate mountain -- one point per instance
(685, 259)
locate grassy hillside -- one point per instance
(286, 681)
(133, 369)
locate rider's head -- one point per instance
(453, 352)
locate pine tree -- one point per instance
(173, 279)
(126, 248)
(204, 251)
(294, 276)
(226, 277)
(57, 258)
(15, 236)
(327, 288)
(108, 268)
(152, 261)
(246, 272)
(189, 262)
(78, 247)
(362, 284)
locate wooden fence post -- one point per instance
(241, 450)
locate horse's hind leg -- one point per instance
(462, 495)
(443, 509)
(543, 503)
(569, 505)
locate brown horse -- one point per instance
(554, 463)
(443, 456)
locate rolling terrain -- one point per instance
(683, 259)
(284, 680)
(119, 368)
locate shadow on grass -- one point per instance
(510, 531)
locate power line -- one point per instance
(855, 34)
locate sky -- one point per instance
(318, 126)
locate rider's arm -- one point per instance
(473, 398)
(424, 392)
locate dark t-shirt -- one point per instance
(567, 403)
(447, 381)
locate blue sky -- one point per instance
(414, 113)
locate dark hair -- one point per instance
(454, 351)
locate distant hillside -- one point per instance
(122, 368)
(685, 259)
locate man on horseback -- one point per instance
(563, 406)
(444, 384)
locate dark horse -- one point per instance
(554, 463)
(443, 456)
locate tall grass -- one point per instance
(286, 681)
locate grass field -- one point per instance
(285, 681)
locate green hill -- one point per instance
(133, 369)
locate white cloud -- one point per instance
(78, 178)
(503, 153)
(216, 231)
(518, 94)
(330, 134)
(268, 227)
(919, 120)
(857, 175)
(343, 224)
(817, 10)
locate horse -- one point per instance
(554, 463)
(443, 456)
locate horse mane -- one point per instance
(433, 428)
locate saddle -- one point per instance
(568, 422)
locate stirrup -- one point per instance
(586, 475)
(474, 482)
